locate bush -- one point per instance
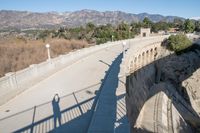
(178, 42)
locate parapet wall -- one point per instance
(14, 83)
(143, 55)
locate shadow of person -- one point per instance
(56, 110)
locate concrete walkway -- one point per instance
(93, 79)
(35, 110)
(110, 106)
(82, 74)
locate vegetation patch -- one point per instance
(178, 42)
(17, 53)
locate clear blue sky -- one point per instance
(183, 8)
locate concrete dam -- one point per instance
(117, 87)
(159, 91)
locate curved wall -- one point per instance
(142, 71)
(140, 76)
(14, 83)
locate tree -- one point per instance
(136, 27)
(178, 42)
(197, 26)
(90, 26)
(189, 26)
(123, 31)
(104, 33)
(43, 35)
(147, 22)
(160, 26)
(178, 23)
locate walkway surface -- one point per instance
(86, 96)
(110, 105)
(78, 87)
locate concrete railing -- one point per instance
(14, 83)
(138, 70)
(139, 67)
(146, 52)
(142, 54)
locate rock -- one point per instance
(178, 68)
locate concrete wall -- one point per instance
(137, 91)
(139, 79)
(140, 68)
(14, 83)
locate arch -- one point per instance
(135, 59)
(135, 63)
(143, 59)
(155, 55)
(143, 53)
(131, 67)
(139, 61)
(131, 61)
(147, 57)
(151, 56)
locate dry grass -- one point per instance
(19, 53)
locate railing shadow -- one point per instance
(105, 112)
(69, 113)
(78, 114)
(121, 124)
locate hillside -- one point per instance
(25, 19)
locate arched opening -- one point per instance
(143, 59)
(131, 66)
(139, 62)
(135, 63)
(147, 57)
(151, 58)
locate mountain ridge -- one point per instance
(52, 19)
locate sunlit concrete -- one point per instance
(33, 110)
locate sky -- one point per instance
(182, 8)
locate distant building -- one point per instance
(173, 30)
(161, 32)
(145, 32)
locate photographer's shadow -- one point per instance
(56, 111)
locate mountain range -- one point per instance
(23, 19)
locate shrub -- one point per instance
(178, 42)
